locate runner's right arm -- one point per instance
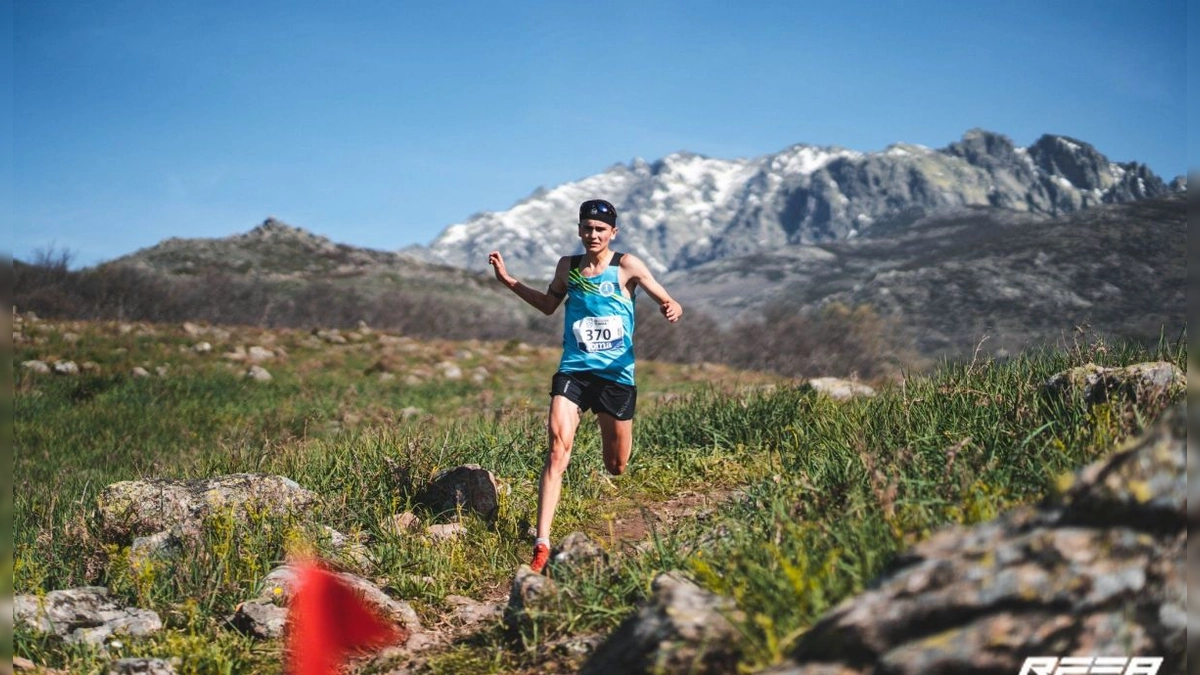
(547, 302)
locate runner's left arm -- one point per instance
(637, 272)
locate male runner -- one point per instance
(596, 369)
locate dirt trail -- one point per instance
(634, 524)
(629, 530)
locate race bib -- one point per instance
(599, 333)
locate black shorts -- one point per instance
(591, 392)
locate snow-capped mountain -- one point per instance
(687, 209)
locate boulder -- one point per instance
(683, 629)
(1098, 569)
(131, 509)
(1143, 383)
(84, 615)
(466, 488)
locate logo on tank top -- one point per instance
(607, 288)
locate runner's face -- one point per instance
(595, 235)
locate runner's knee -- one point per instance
(559, 456)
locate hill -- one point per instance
(949, 280)
(278, 275)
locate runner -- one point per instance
(596, 369)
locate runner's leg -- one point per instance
(617, 437)
(562, 424)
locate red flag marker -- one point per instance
(328, 620)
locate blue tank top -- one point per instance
(598, 325)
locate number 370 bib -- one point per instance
(599, 333)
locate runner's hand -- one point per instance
(672, 310)
(497, 263)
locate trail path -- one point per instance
(629, 532)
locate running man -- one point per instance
(596, 370)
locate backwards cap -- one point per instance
(598, 209)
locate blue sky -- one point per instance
(378, 124)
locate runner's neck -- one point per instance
(599, 261)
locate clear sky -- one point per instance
(378, 124)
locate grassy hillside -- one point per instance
(818, 495)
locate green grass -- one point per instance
(827, 492)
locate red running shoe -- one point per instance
(541, 556)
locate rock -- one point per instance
(258, 374)
(279, 585)
(450, 370)
(1144, 488)
(141, 666)
(331, 336)
(164, 545)
(1142, 383)
(260, 618)
(839, 389)
(83, 615)
(139, 372)
(1097, 569)
(202, 347)
(66, 368)
(530, 593)
(21, 665)
(36, 366)
(467, 611)
(238, 354)
(445, 531)
(576, 646)
(131, 509)
(683, 629)
(351, 549)
(403, 523)
(577, 549)
(257, 354)
(466, 488)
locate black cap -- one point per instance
(598, 209)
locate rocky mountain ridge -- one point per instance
(686, 209)
(954, 279)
